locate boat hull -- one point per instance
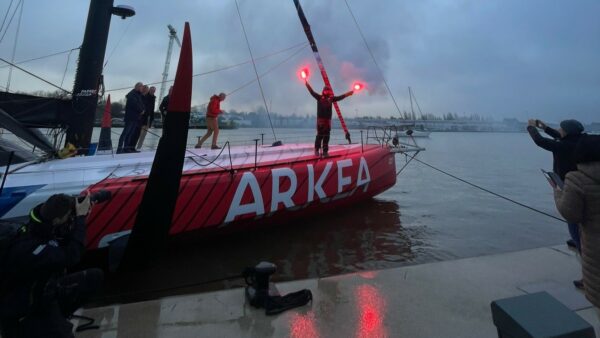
(252, 187)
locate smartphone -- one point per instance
(555, 181)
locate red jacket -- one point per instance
(214, 106)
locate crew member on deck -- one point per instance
(324, 102)
(148, 117)
(212, 122)
(164, 105)
(134, 108)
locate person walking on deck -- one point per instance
(212, 123)
(134, 108)
(148, 117)
(324, 103)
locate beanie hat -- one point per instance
(56, 207)
(572, 127)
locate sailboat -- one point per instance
(412, 129)
(236, 187)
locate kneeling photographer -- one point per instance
(37, 296)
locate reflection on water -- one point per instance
(367, 236)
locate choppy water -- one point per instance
(425, 217)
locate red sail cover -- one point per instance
(181, 100)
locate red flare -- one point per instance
(304, 73)
(181, 98)
(106, 118)
(357, 86)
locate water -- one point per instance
(425, 217)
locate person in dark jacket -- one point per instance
(212, 120)
(324, 102)
(562, 145)
(164, 105)
(134, 108)
(37, 295)
(148, 117)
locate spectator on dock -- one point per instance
(134, 108)
(578, 202)
(147, 117)
(324, 102)
(37, 296)
(164, 105)
(562, 145)
(212, 122)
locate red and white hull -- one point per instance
(227, 191)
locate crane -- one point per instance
(172, 37)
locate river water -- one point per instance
(426, 217)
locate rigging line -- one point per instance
(268, 71)
(117, 45)
(491, 192)
(37, 77)
(224, 68)
(66, 68)
(42, 57)
(407, 162)
(6, 15)
(262, 93)
(10, 21)
(373, 57)
(12, 59)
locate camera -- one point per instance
(97, 197)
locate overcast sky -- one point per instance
(498, 58)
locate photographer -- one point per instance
(36, 294)
(562, 145)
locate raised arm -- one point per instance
(311, 91)
(542, 142)
(343, 96)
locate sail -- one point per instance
(35, 111)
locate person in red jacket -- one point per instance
(212, 123)
(324, 102)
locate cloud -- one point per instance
(499, 58)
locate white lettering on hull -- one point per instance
(236, 208)
(248, 180)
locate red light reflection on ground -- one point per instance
(371, 307)
(303, 326)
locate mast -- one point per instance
(313, 46)
(412, 111)
(89, 71)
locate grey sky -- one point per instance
(499, 58)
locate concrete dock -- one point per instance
(442, 299)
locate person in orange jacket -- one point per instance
(212, 123)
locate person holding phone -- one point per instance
(562, 145)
